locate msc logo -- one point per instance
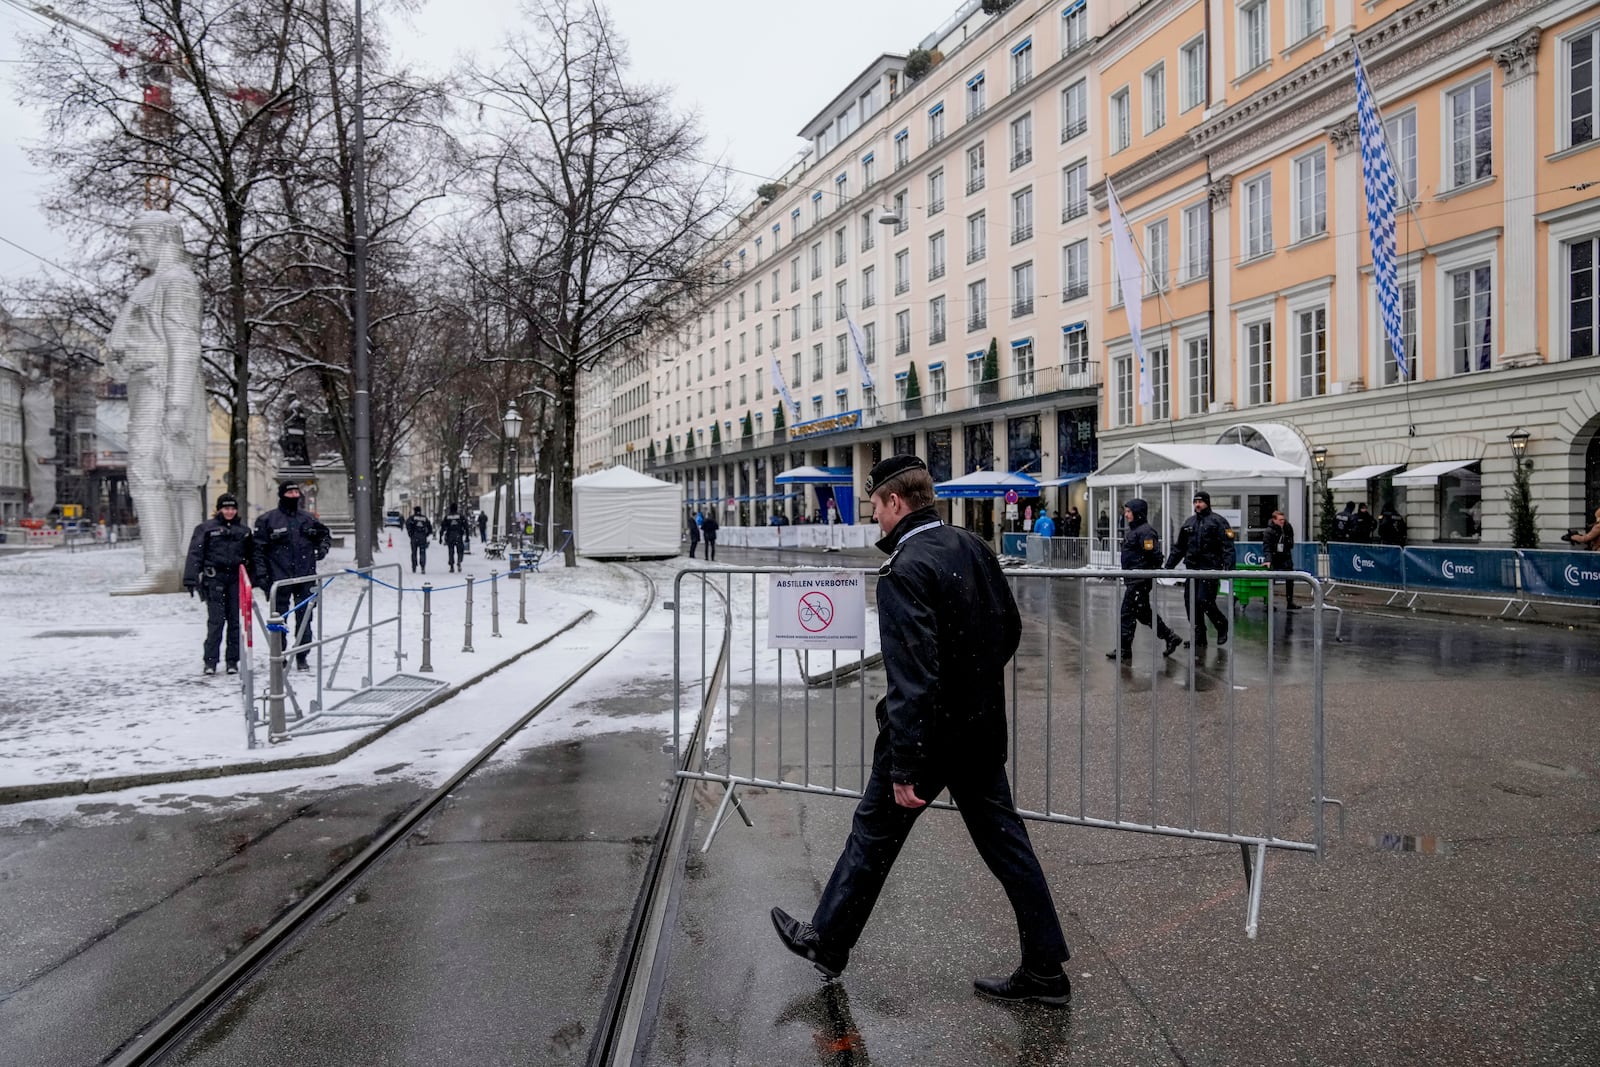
(1450, 569)
(1254, 559)
(1361, 563)
(1576, 576)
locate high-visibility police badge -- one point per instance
(1149, 544)
(1229, 532)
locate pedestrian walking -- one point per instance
(483, 527)
(420, 531)
(217, 549)
(1205, 543)
(289, 543)
(708, 530)
(694, 534)
(1072, 525)
(948, 625)
(1141, 551)
(454, 532)
(1278, 542)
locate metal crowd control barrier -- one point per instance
(296, 703)
(1223, 745)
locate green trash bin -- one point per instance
(1247, 589)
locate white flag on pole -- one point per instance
(858, 341)
(1125, 256)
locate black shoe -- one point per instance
(801, 939)
(1222, 638)
(302, 665)
(1173, 641)
(1126, 657)
(210, 668)
(1052, 990)
(233, 668)
(1293, 606)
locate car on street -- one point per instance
(392, 518)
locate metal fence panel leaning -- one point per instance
(1220, 744)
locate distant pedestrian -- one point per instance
(483, 526)
(454, 531)
(1391, 527)
(1205, 543)
(708, 529)
(1587, 540)
(1344, 522)
(1363, 527)
(1072, 524)
(217, 549)
(948, 625)
(694, 534)
(1102, 530)
(420, 532)
(289, 544)
(1141, 551)
(1278, 541)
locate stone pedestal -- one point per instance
(328, 487)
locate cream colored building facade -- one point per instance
(1226, 129)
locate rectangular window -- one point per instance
(839, 250)
(758, 296)
(841, 300)
(760, 392)
(816, 362)
(935, 124)
(1075, 353)
(1582, 91)
(1074, 110)
(1022, 141)
(741, 307)
(794, 371)
(869, 287)
(1021, 215)
(936, 320)
(936, 192)
(1074, 27)
(816, 311)
(1306, 19)
(777, 328)
(977, 96)
(1197, 361)
(869, 342)
(1021, 290)
(744, 352)
(1255, 39)
(1075, 271)
(758, 339)
(816, 260)
(977, 305)
(1471, 321)
(1121, 120)
(1408, 337)
(1471, 135)
(1022, 64)
(841, 354)
(936, 256)
(816, 406)
(975, 170)
(1157, 255)
(1192, 74)
(794, 323)
(1582, 297)
(902, 271)
(937, 388)
(902, 149)
(1258, 360)
(727, 354)
(816, 208)
(841, 186)
(869, 171)
(1160, 383)
(869, 233)
(977, 236)
(901, 212)
(902, 332)
(1022, 367)
(1123, 393)
(1258, 216)
(1401, 133)
(794, 273)
(1196, 241)
(1311, 349)
(1155, 98)
(1310, 195)
(1075, 191)
(975, 369)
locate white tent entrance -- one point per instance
(618, 513)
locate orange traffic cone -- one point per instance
(391, 540)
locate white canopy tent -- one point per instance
(1358, 478)
(619, 512)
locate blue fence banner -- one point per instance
(1461, 569)
(1305, 557)
(1372, 564)
(1563, 574)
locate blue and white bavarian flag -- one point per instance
(783, 386)
(1382, 192)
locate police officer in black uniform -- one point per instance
(1141, 551)
(948, 625)
(1205, 543)
(216, 550)
(289, 544)
(420, 531)
(454, 531)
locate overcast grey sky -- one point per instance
(753, 72)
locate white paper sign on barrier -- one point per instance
(817, 609)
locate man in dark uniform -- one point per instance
(1278, 543)
(1141, 551)
(948, 625)
(454, 531)
(289, 544)
(1205, 543)
(1363, 527)
(420, 531)
(219, 546)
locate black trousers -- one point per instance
(880, 828)
(1284, 563)
(1200, 598)
(419, 555)
(711, 548)
(454, 549)
(222, 609)
(1136, 609)
(301, 628)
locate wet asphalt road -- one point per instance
(490, 938)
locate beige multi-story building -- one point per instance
(1226, 129)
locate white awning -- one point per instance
(1430, 473)
(1065, 479)
(1358, 478)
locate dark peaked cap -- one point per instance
(888, 468)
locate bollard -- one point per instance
(522, 595)
(276, 725)
(427, 628)
(494, 603)
(467, 644)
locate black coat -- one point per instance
(948, 625)
(289, 544)
(1277, 542)
(454, 530)
(419, 529)
(216, 550)
(1141, 545)
(709, 529)
(1205, 543)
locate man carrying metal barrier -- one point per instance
(1205, 543)
(948, 625)
(1141, 551)
(289, 544)
(217, 548)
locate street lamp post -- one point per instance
(466, 461)
(511, 424)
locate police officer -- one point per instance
(1141, 551)
(454, 531)
(1205, 543)
(420, 531)
(1278, 543)
(218, 547)
(289, 544)
(948, 625)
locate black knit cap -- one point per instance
(1202, 495)
(888, 468)
(284, 487)
(227, 500)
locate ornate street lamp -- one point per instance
(511, 425)
(1519, 445)
(466, 461)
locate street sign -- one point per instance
(817, 609)
(1011, 496)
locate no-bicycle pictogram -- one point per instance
(816, 612)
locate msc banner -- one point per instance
(1471, 569)
(1563, 574)
(1374, 564)
(817, 609)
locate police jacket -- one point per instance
(288, 545)
(419, 529)
(454, 529)
(1205, 543)
(1278, 541)
(216, 550)
(948, 626)
(1141, 545)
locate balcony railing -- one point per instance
(974, 183)
(1021, 79)
(936, 335)
(1022, 158)
(839, 258)
(936, 272)
(1075, 209)
(902, 286)
(975, 254)
(1021, 233)
(936, 206)
(840, 312)
(1075, 291)
(816, 272)
(1021, 308)
(977, 322)
(868, 300)
(975, 110)
(938, 136)
(1075, 128)
(902, 345)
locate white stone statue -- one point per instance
(156, 343)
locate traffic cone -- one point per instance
(391, 540)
